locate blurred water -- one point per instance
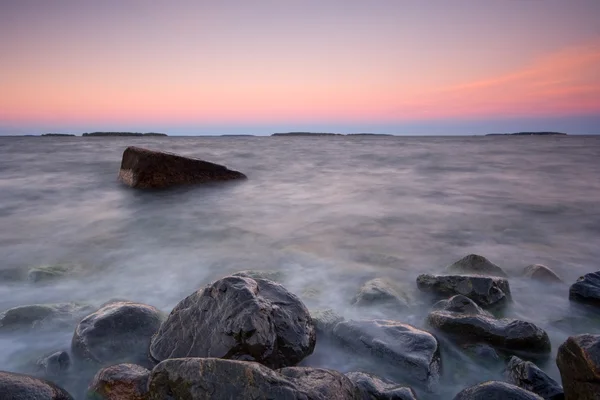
(330, 211)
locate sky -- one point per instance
(195, 67)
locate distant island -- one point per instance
(328, 134)
(123, 134)
(57, 134)
(237, 135)
(528, 134)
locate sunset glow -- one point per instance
(74, 64)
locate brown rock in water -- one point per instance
(578, 360)
(120, 382)
(142, 168)
(19, 386)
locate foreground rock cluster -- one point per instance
(244, 336)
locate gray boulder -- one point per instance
(541, 273)
(586, 289)
(475, 264)
(375, 388)
(24, 387)
(460, 304)
(408, 350)
(325, 320)
(241, 319)
(381, 292)
(142, 168)
(216, 379)
(43, 316)
(578, 360)
(494, 390)
(483, 290)
(120, 382)
(55, 364)
(508, 334)
(528, 376)
(117, 332)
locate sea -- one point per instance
(329, 213)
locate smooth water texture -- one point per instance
(331, 212)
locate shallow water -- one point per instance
(332, 212)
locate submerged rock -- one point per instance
(218, 379)
(17, 386)
(142, 168)
(43, 316)
(483, 290)
(475, 264)
(578, 360)
(460, 304)
(541, 273)
(275, 276)
(241, 319)
(120, 382)
(374, 388)
(50, 273)
(380, 292)
(494, 390)
(505, 333)
(117, 332)
(528, 376)
(482, 351)
(54, 365)
(410, 351)
(325, 320)
(586, 289)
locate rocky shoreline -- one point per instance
(245, 336)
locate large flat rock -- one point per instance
(143, 168)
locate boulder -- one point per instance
(408, 350)
(541, 273)
(275, 276)
(54, 365)
(586, 289)
(142, 168)
(325, 320)
(375, 388)
(494, 390)
(43, 316)
(117, 332)
(241, 319)
(460, 304)
(18, 386)
(528, 376)
(381, 292)
(216, 379)
(505, 333)
(578, 360)
(120, 382)
(482, 352)
(483, 290)
(477, 265)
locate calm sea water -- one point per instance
(332, 212)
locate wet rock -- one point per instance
(528, 376)
(50, 273)
(238, 318)
(117, 332)
(325, 320)
(494, 390)
(120, 382)
(275, 276)
(508, 334)
(482, 352)
(586, 289)
(578, 360)
(43, 316)
(54, 365)
(142, 168)
(216, 379)
(475, 264)
(17, 387)
(460, 304)
(483, 290)
(541, 273)
(381, 292)
(375, 388)
(410, 351)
